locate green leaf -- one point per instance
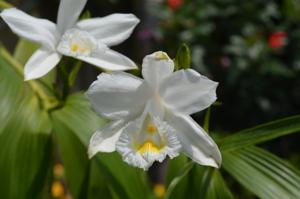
(205, 174)
(183, 172)
(124, 180)
(183, 58)
(175, 165)
(261, 133)
(97, 187)
(11, 87)
(25, 142)
(24, 50)
(217, 187)
(207, 183)
(264, 174)
(74, 158)
(76, 115)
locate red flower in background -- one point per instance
(174, 4)
(277, 40)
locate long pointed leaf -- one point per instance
(261, 133)
(264, 174)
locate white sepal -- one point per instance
(37, 30)
(40, 63)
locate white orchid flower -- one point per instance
(87, 40)
(150, 117)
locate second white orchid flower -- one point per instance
(87, 40)
(150, 118)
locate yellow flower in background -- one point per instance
(57, 189)
(159, 190)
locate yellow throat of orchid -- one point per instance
(149, 145)
(76, 48)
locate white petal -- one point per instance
(117, 95)
(156, 67)
(195, 141)
(112, 29)
(40, 63)
(109, 60)
(188, 92)
(155, 107)
(68, 13)
(104, 140)
(37, 30)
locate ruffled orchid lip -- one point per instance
(147, 140)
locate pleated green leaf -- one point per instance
(97, 185)
(217, 187)
(182, 174)
(74, 159)
(261, 133)
(174, 169)
(23, 50)
(25, 143)
(264, 174)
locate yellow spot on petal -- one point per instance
(159, 190)
(161, 56)
(147, 147)
(74, 47)
(151, 128)
(57, 189)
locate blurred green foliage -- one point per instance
(250, 47)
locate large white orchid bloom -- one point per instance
(150, 118)
(87, 40)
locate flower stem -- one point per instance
(207, 120)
